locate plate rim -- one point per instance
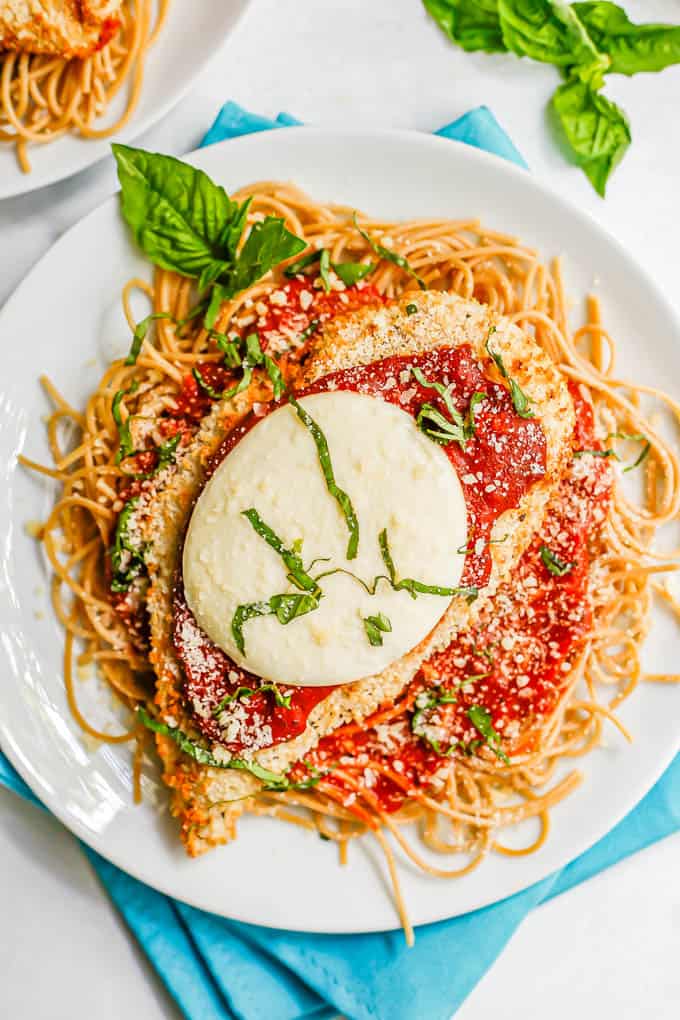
(637, 791)
(133, 129)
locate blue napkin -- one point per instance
(224, 970)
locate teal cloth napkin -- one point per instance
(223, 970)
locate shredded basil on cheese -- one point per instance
(375, 627)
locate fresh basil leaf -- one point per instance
(435, 425)
(553, 563)
(481, 720)
(472, 24)
(425, 702)
(520, 401)
(229, 393)
(291, 559)
(272, 780)
(218, 295)
(177, 215)
(631, 48)
(247, 692)
(267, 244)
(338, 494)
(443, 391)
(595, 130)
(390, 256)
(375, 627)
(210, 274)
(549, 31)
(351, 272)
(324, 270)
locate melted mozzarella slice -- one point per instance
(397, 479)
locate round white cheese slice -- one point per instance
(397, 479)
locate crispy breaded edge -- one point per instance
(68, 31)
(208, 800)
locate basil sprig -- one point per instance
(338, 494)
(481, 720)
(520, 401)
(553, 563)
(390, 256)
(375, 627)
(127, 559)
(586, 41)
(186, 223)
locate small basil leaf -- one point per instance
(472, 24)
(553, 563)
(631, 48)
(351, 272)
(481, 720)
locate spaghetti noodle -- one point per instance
(43, 97)
(466, 799)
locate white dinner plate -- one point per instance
(62, 321)
(193, 34)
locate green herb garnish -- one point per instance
(338, 494)
(241, 693)
(415, 588)
(520, 401)
(375, 627)
(597, 453)
(324, 269)
(425, 702)
(481, 720)
(295, 268)
(272, 780)
(351, 272)
(411, 309)
(286, 607)
(126, 446)
(127, 560)
(139, 335)
(553, 562)
(390, 256)
(297, 574)
(643, 455)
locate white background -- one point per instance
(608, 948)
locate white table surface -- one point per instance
(607, 948)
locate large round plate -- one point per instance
(192, 35)
(60, 321)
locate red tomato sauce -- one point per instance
(518, 656)
(499, 464)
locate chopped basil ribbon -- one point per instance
(636, 436)
(338, 494)
(520, 401)
(297, 574)
(310, 330)
(227, 394)
(282, 700)
(139, 335)
(553, 562)
(126, 446)
(252, 357)
(597, 453)
(435, 425)
(166, 455)
(415, 588)
(425, 702)
(389, 255)
(411, 309)
(481, 720)
(375, 627)
(295, 268)
(640, 459)
(349, 272)
(286, 607)
(324, 267)
(127, 560)
(272, 780)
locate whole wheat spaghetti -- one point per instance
(460, 812)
